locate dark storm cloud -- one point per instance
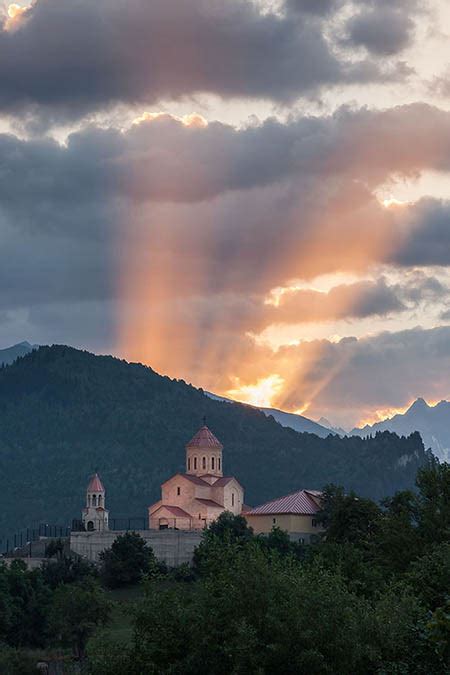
(318, 7)
(76, 55)
(358, 300)
(426, 238)
(384, 31)
(162, 159)
(370, 373)
(249, 209)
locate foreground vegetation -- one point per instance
(372, 597)
(65, 413)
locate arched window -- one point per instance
(99, 500)
(90, 526)
(94, 500)
(178, 491)
(204, 463)
(212, 463)
(195, 463)
(189, 463)
(232, 499)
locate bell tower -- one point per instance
(204, 454)
(94, 515)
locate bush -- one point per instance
(127, 561)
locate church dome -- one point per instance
(95, 484)
(205, 439)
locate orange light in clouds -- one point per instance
(191, 120)
(15, 12)
(261, 394)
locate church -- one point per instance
(192, 500)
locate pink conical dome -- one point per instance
(205, 439)
(95, 484)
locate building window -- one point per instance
(232, 499)
(195, 463)
(178, 491)
(314, 522)
(199, 516)
(189, 463)
(204, 463)
(274, 520)
(94, 500)
(90, 526)
(212, 463)
(301, 540)
(99, 500)
(218, 463)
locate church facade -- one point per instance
(192, 500)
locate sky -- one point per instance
(252, 196)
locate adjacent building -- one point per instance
(192, 500)
(296, 513)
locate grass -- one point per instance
(120, 627)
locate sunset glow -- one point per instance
(223, 211)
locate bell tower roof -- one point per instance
(95, 484)
(204, 439)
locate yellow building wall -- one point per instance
(262, 524)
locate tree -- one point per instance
(76, 612)
(55, 547)
(227, 530)
(67, 570)
(127, 561)
(433, 482)
(348, 518)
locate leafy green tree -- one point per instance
(348, 518)
(55, 548)
(433, 482)
(77, 610)
(67, 570)
(127, 561)
(24, 599)
(438, 633)
(397, 541)
(227, 530)
(429, 576)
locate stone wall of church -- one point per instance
(174, 547)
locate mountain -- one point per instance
(10, 354)
(335, 430)
(432, 422)
(293, 421)
(65, 413)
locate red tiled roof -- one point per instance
(194, 479)
(204, 438)
(95, 484)
(298, 502)
(209, 502)
(175, 510)
(224, 481)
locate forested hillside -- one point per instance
(65, 413)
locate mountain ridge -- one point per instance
(65, 413)
(431, 421)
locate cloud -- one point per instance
(357, 300)
(382, 29)
(372, 373)
(74, 56)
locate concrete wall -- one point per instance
(174, 547)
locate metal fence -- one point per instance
(28, 536)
